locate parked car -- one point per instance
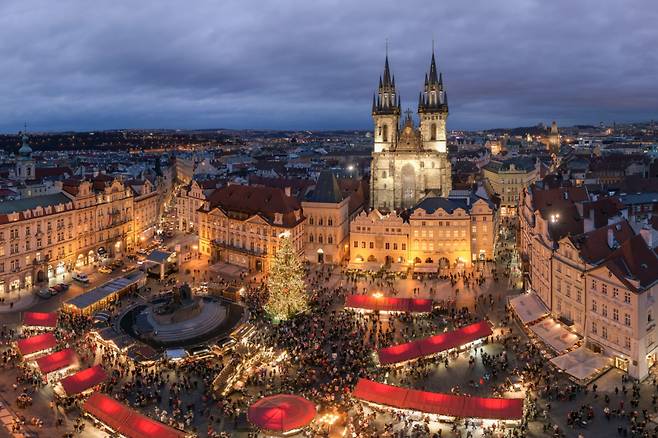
(104, 270)
(53, 291)
(64, 286)
(44, 293)
(81, 277)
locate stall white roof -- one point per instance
(528, 307)
(554, 334)
(582, 363)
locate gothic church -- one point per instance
(409, 163)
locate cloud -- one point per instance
(75, 64)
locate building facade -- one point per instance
(242, 225)
(87, 222)
(409, 163)
(327, 221)
(506, 179)
(438, 232)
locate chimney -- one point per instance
(612, 243)
(288, 191)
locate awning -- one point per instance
(388, 304)
(439, 404)
(434, 344)
(281, 413)
(36, 343)
(39, 319)
(83, 380)
(582, 363)
(126, 421)
(57, 361)
(528, 307)
(554, 334)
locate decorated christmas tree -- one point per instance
(286, 283)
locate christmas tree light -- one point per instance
(287, 290)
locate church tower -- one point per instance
(25, 167)
(433, 110)
(386, 111)
(409, 163)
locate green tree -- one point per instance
(285, 284)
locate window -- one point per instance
(604, 332)
(330, 222)
(594, 285)
(604, 310)
(387, 245)
(372, 245)
(615, 293)
(363, 244)
(579, 295)
(627, 343)
(330, 239)
(395, 246)
(615, 314)
(320, 238)
(604, 289)
(627, 319)
(385, 133)
(594, 306)
(310, 238)
(627, 297)
(310, 221)
(404, 247)
(594, 328)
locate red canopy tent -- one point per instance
(126, 421)
(388, 304)
(57, 361)
(40, 319)
(83, 380)
(434, 344)
(36, 343)
(281, 413)
(439, 404)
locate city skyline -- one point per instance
(300, 66)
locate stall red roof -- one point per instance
(57, 361)
(126, 421)
(389, 304)
(40, 319)
(440, 404)
(281, 412)
(83, 380)
(434, 344)
(36, 343)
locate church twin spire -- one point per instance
(386, 100)
(432, 99)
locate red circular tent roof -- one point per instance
(281, 413)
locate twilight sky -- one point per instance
(284, 64)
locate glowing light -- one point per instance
(378, 295)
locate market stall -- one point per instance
(281, 413)
(434, 344)
(34, 345)
(119, 418)
(388, 304)
(445, 405)
(83, 381)
(40, 320)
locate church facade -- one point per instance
(409, 162)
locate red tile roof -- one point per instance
(594, 244)
(634, 260)
(238, 200)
